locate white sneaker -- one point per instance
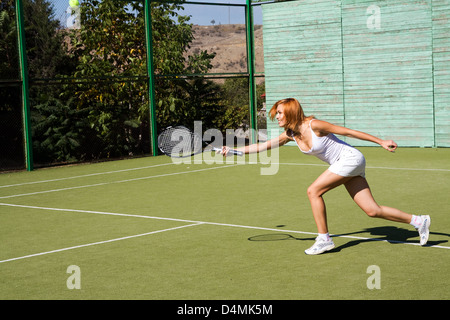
(424, 230)
(320, 246)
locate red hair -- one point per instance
(293, 112)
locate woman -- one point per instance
(347, 167)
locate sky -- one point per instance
(204, 14)
(200, 14)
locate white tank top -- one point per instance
(327, 148)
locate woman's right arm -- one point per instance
(261, 147)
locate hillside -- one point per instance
(229, 44)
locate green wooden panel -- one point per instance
(389, 77)
(441, 63)
(388, 83)
(303, 56)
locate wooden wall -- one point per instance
(376, 66)
(441, 64)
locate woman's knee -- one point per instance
(313, 192)
(373, 212)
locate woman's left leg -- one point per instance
(359, 190)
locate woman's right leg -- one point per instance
(325, 182)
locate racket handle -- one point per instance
(231, 151)
(238, 153)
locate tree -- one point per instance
(111, 44)
(46, 49)
(46, 53)
(9, 66)
(46, 58)
(61, 129)
(171, 39)
(235, 95)
(101, 109)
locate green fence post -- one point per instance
(151, 77)
(24, 75)
(251, 70)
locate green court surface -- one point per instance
(150, 229)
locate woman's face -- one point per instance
(280, 116)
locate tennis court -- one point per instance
(147, 228)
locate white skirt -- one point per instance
(351, 163)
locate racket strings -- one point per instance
(179, 142)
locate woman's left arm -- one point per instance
(325, 128)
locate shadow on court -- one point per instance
(389, 234)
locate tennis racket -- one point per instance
(180, 142)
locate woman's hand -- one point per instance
(224, 151)
(389, 145)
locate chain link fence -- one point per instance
(88, 78)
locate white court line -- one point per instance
(388, 168)
(313, 165)
(85, 175)
(213, 162)
(326, 165)
(191, 223)
(97, 243)
(107, 183)
(185, 172)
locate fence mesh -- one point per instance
(11, 123)
(88, 78)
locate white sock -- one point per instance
(416, 221)
(325, 236)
